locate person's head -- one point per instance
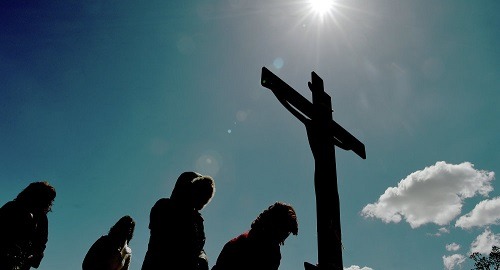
(276, 223)
(193, 189)
(123, 229)
(37, 196)
(203, 189)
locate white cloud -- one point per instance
(440, 232)
(453, 247)
(444, 230)
(355, 267)
(485, 213)
(432, 195)
(485, 241)
(450, 262)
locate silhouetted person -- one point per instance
(176, 226)
(111, 251)
(24, 227)
(259, 248)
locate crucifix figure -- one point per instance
(323, 134)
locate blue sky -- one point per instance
(111, 100)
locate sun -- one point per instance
(321, 7)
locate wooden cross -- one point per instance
(323, 134)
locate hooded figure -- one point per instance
(177, 234)
(24, 227)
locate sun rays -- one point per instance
(321, 7)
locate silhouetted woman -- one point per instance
(24, 227)
(259, 248)
(111, 251)
(177, 234)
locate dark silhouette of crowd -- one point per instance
(177, 235)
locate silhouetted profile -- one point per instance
(111, 251)
(259, 248)
(24, 227)
(177, 234)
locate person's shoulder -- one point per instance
(9, 206)
(237, 244)
(240, 238)
(163, 202)
(14, 209)
(103, 240)
(163, 205)
(8, 209)
(102, 243)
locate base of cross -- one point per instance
(309, 266)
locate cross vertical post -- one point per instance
(323, 134)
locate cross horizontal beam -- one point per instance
(285, 92)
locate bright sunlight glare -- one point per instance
(321, 7)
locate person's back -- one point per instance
(99, 255)
(176, 227)
(16, 228)
(111, 251)
(176, 234)
(24, 227)
(248, 252)
(103, 255)
(260, 247)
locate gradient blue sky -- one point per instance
(111, 100)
